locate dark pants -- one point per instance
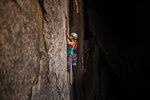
(69, 62)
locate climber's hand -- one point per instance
(67, 35)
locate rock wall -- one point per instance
(33, 50)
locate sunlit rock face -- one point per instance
(33, 50)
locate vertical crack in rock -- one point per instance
(41, 3)
(48, 78)
(0, 41)
(39, 9)
(30, 94)
(40, 14)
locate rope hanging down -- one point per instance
(77, 8)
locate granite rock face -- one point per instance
(33, 50)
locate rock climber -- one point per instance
(71, 45)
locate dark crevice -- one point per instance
(35, 81)
(30, 94)
(16, 2)
(48, 78)
(120, 29)
(44, 13)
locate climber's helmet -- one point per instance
(74, 35)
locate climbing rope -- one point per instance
(77, 7)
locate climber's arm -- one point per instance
(67, 35)
(69, 42)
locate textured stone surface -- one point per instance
(32, 50)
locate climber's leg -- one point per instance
(69, 62)
(70, 75)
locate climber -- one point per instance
(71, 45)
